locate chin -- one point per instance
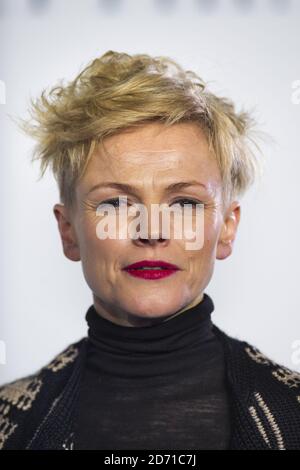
(153, 310)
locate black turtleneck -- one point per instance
(159, 387)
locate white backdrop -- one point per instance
(249, 51)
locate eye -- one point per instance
(187, 201)
(114, 201)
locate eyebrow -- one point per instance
(130, 189)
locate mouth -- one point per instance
(151, 269)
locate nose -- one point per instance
(151, 241)
(153, 236)
(152, 228)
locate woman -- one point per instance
(154, 371)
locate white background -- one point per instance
(249, 51)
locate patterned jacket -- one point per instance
(37, 412)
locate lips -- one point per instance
(152, 264)
(160, 269)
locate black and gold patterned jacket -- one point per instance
(37, 412)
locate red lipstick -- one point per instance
(142, 269)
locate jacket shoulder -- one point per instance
(267, 391)
(25, 398)
(274, 404)
(260, 362)
(282, 374)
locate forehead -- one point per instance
(151, 152)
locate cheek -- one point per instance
(205, 231)
(203, 257)
(101, 257)
(212, 224)
(98, 263)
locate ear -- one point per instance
(67, 232)
(228, 230)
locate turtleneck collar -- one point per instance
(159, 349)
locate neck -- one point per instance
(135, 321)
(164, 348)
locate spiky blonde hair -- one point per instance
(118, 91)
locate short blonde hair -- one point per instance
(118, 91)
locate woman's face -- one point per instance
(148, 159)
